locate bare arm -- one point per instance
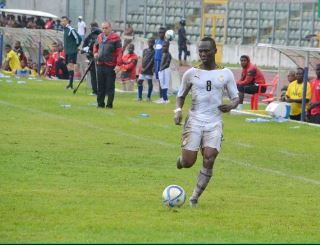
(228, 107)
(179, 105)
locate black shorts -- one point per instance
(250, 88)
(71, 58)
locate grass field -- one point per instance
(89, 175)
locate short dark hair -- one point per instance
(8, 46)
(162, 29)
(209, 39)
(45, 52)
(94, 24)
(65, 17)
(300, 68)
(245, 57)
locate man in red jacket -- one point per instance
(251, 77)
(107, 52)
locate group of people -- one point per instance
(16, 61)
(252, 77)
(31, 22)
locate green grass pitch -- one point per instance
(89, 175)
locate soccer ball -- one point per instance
(174, 196)
(169, 35)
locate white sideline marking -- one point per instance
(275, 172)
(160, 142)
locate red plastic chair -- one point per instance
(269, 95)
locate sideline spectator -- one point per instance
(157, 58)
(57, 26)
(315, 98)
(182, 42)
(291, 77)
(147, 70)
(88, 43)
(82, 28)
(164, 73)
(40, 23)
(108, 53)
(251, 77)
(294, 95)
(71, 44)
(128, 69)
(60, 63)
(12, 62)
(128, 35)
(19, 51)
(49, 24)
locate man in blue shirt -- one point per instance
(157, 57)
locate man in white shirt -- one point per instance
(203, 125)
(81, 27)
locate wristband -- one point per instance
(177, 110)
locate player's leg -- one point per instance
(179, 55)
(205, 174)
(150, 88)
(211, 143)
(190, 143)
(140, 87)
(71, 62)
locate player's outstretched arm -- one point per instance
(178, 110)
(228, 107)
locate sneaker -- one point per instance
(179, 165)
(159, 101)
(193, 203)
(69, 86)
(166, 101)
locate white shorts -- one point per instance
(164, 78)
(145, 77)
(198, 135)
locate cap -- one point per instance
(80, 17)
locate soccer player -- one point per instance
(147, 70)
(203, 125)
(164, 72)
(158, 56)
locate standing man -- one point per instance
(182, 42)
(88, 43)
(108, 53)
(315, 98)
(294, 95)
(157, 58)
(251, 77)
(71, 43)
(82, 28)
(203, 126)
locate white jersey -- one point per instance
(81, 28)
(207, 89)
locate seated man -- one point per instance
(12, 62)
(251, 77)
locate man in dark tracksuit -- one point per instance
(108, 53)
(71, 43)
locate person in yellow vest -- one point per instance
(12, 62)
(294, 95)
